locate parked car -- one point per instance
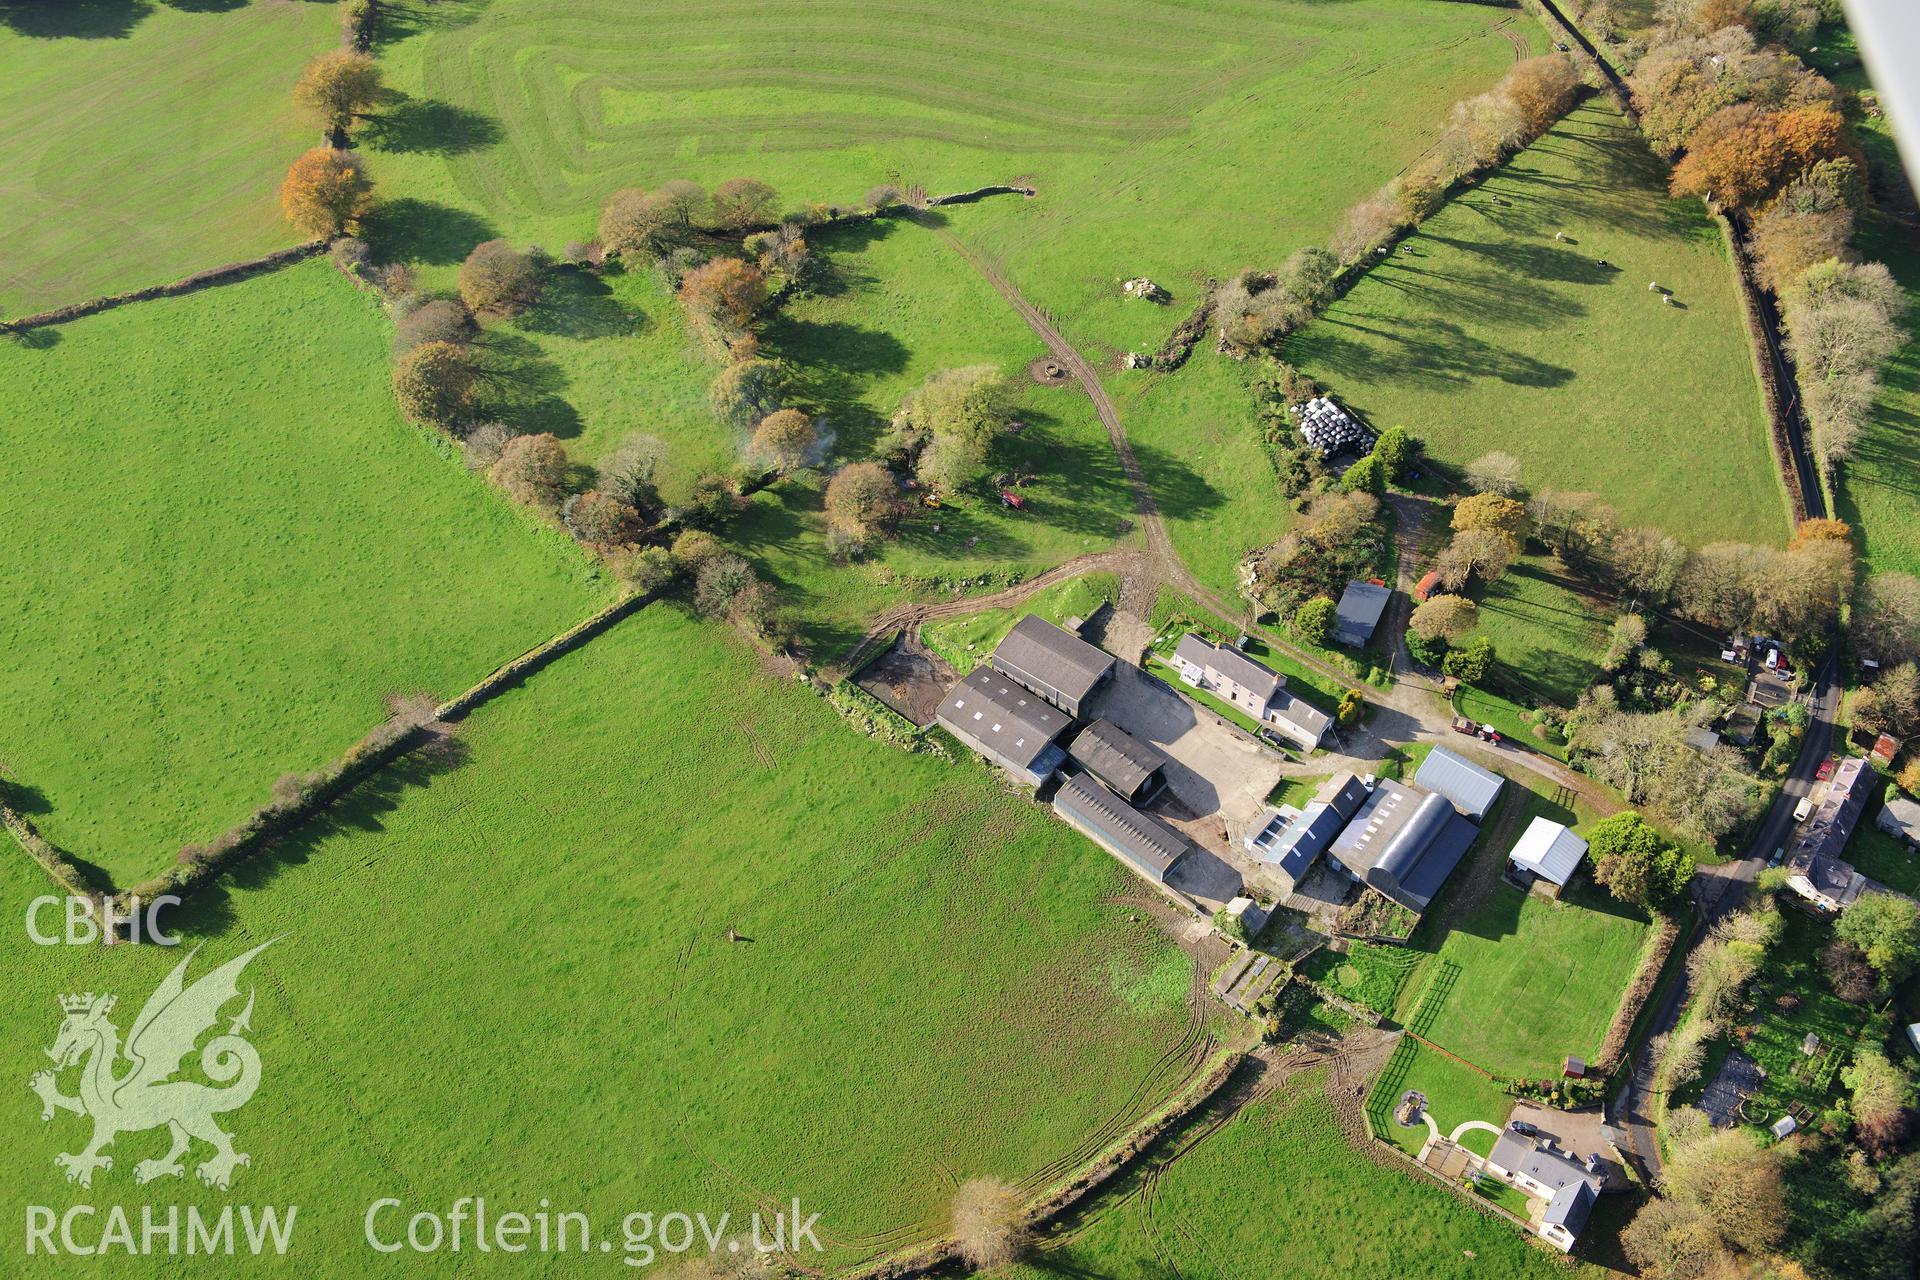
(1826, 769)
(1779, 855)
(1522, 1128)
(1801, 810)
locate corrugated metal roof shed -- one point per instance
(1471, 788)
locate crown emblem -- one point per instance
(82, 1003)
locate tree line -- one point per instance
(1753, 129)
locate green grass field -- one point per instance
(1877, 490)
(966, 642)
(1198, 443)
(1150, 132)
(1280, 1190)
(514, 978)
(1483, 332)
(882, 322)
(145, 142)
(225, 547)
(602, 356)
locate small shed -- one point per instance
(1784, 1126)
(1471, 788)
(1359, 611)
(1424, 588)
(1885, 748)
(1130, 768)
(1549, 851)
(1574, 1068)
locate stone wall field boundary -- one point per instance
(191, 284)
(380, 747)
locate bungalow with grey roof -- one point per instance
(1056, 664)
(1569, 1184)
(1249, 686)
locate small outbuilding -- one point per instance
(1358, 614)
(1471, 788)
(1900, 818)
(1548, 851)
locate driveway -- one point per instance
(1218, 778)
(1578, 1132)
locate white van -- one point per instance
(1801, 810)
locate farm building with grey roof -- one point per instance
(1007, 723)
(1129, 767)
(1146, 844)
(1057, 665)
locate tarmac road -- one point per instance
(1718, 891)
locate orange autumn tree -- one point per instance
(326, 191)
(1742, 157)
(725, 294)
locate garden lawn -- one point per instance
(1516, 982)
(1455, 1093)
(515, 978)
(1369, 974)
(966, 642)
(1793, 970)
(1879, 856)
(145, 142)
(223, 549)
(1212, 1214)
(1150, 132)
(1539, 980)
(1547, 638)
(1482, 332)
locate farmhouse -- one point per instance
(1358, 612)
(1006, 723)
(1568, 1184)
(1828, 883)
(1129, 768)
(1250, 686)
(1143, 843)
(1404, 842)
(1549, 852)
(1900, 818)
(1059, 666)
(1831, 824)
(1286, 844)
(1471, 788)
(1815, 868)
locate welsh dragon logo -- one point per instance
(130, 1089)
